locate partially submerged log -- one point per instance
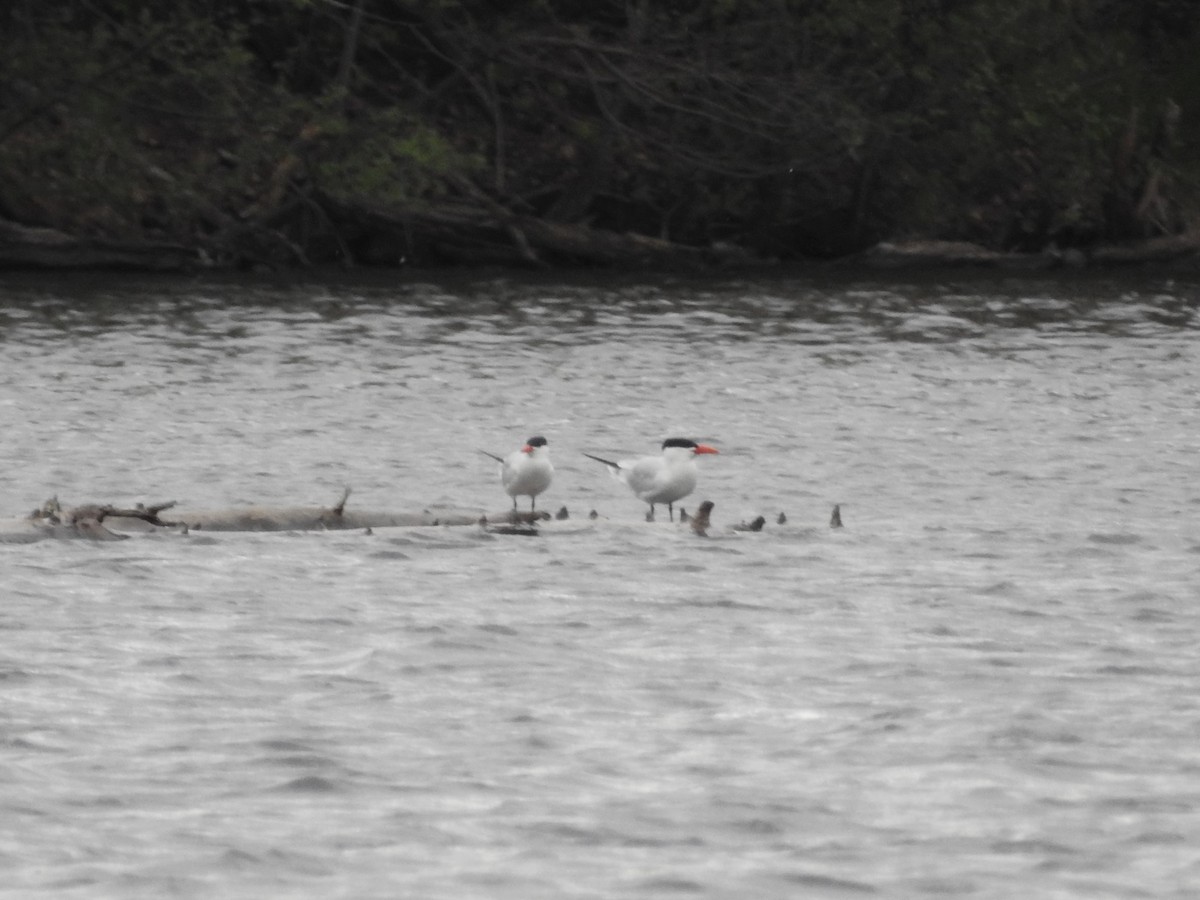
(303, 518)
(107, 522)
(334, 518)
(54, 521)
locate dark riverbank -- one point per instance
(551, 135)
(42, 249)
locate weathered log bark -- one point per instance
(53, 520)
(96, 522)
(110, 523)
(304, 518)
(45, 248)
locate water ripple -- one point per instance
(983, 684)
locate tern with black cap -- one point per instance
(665, 478)
(526, 472)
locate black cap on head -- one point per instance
(536, 442)
(679, 442)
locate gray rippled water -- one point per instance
(985, 685)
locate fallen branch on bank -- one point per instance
(487, 233)
(933, 254)
(25, 247)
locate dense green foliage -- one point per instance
(793, 127)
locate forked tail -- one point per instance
(608, 462)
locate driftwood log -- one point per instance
(54, 521)
(105, 522)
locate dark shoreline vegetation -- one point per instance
(169, 135)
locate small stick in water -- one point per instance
(756, 525)
(835, 520)
(340, 506)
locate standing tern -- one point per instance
(660, 479)
(526, 471)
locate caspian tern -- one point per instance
(526, 471)
(660, 479)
